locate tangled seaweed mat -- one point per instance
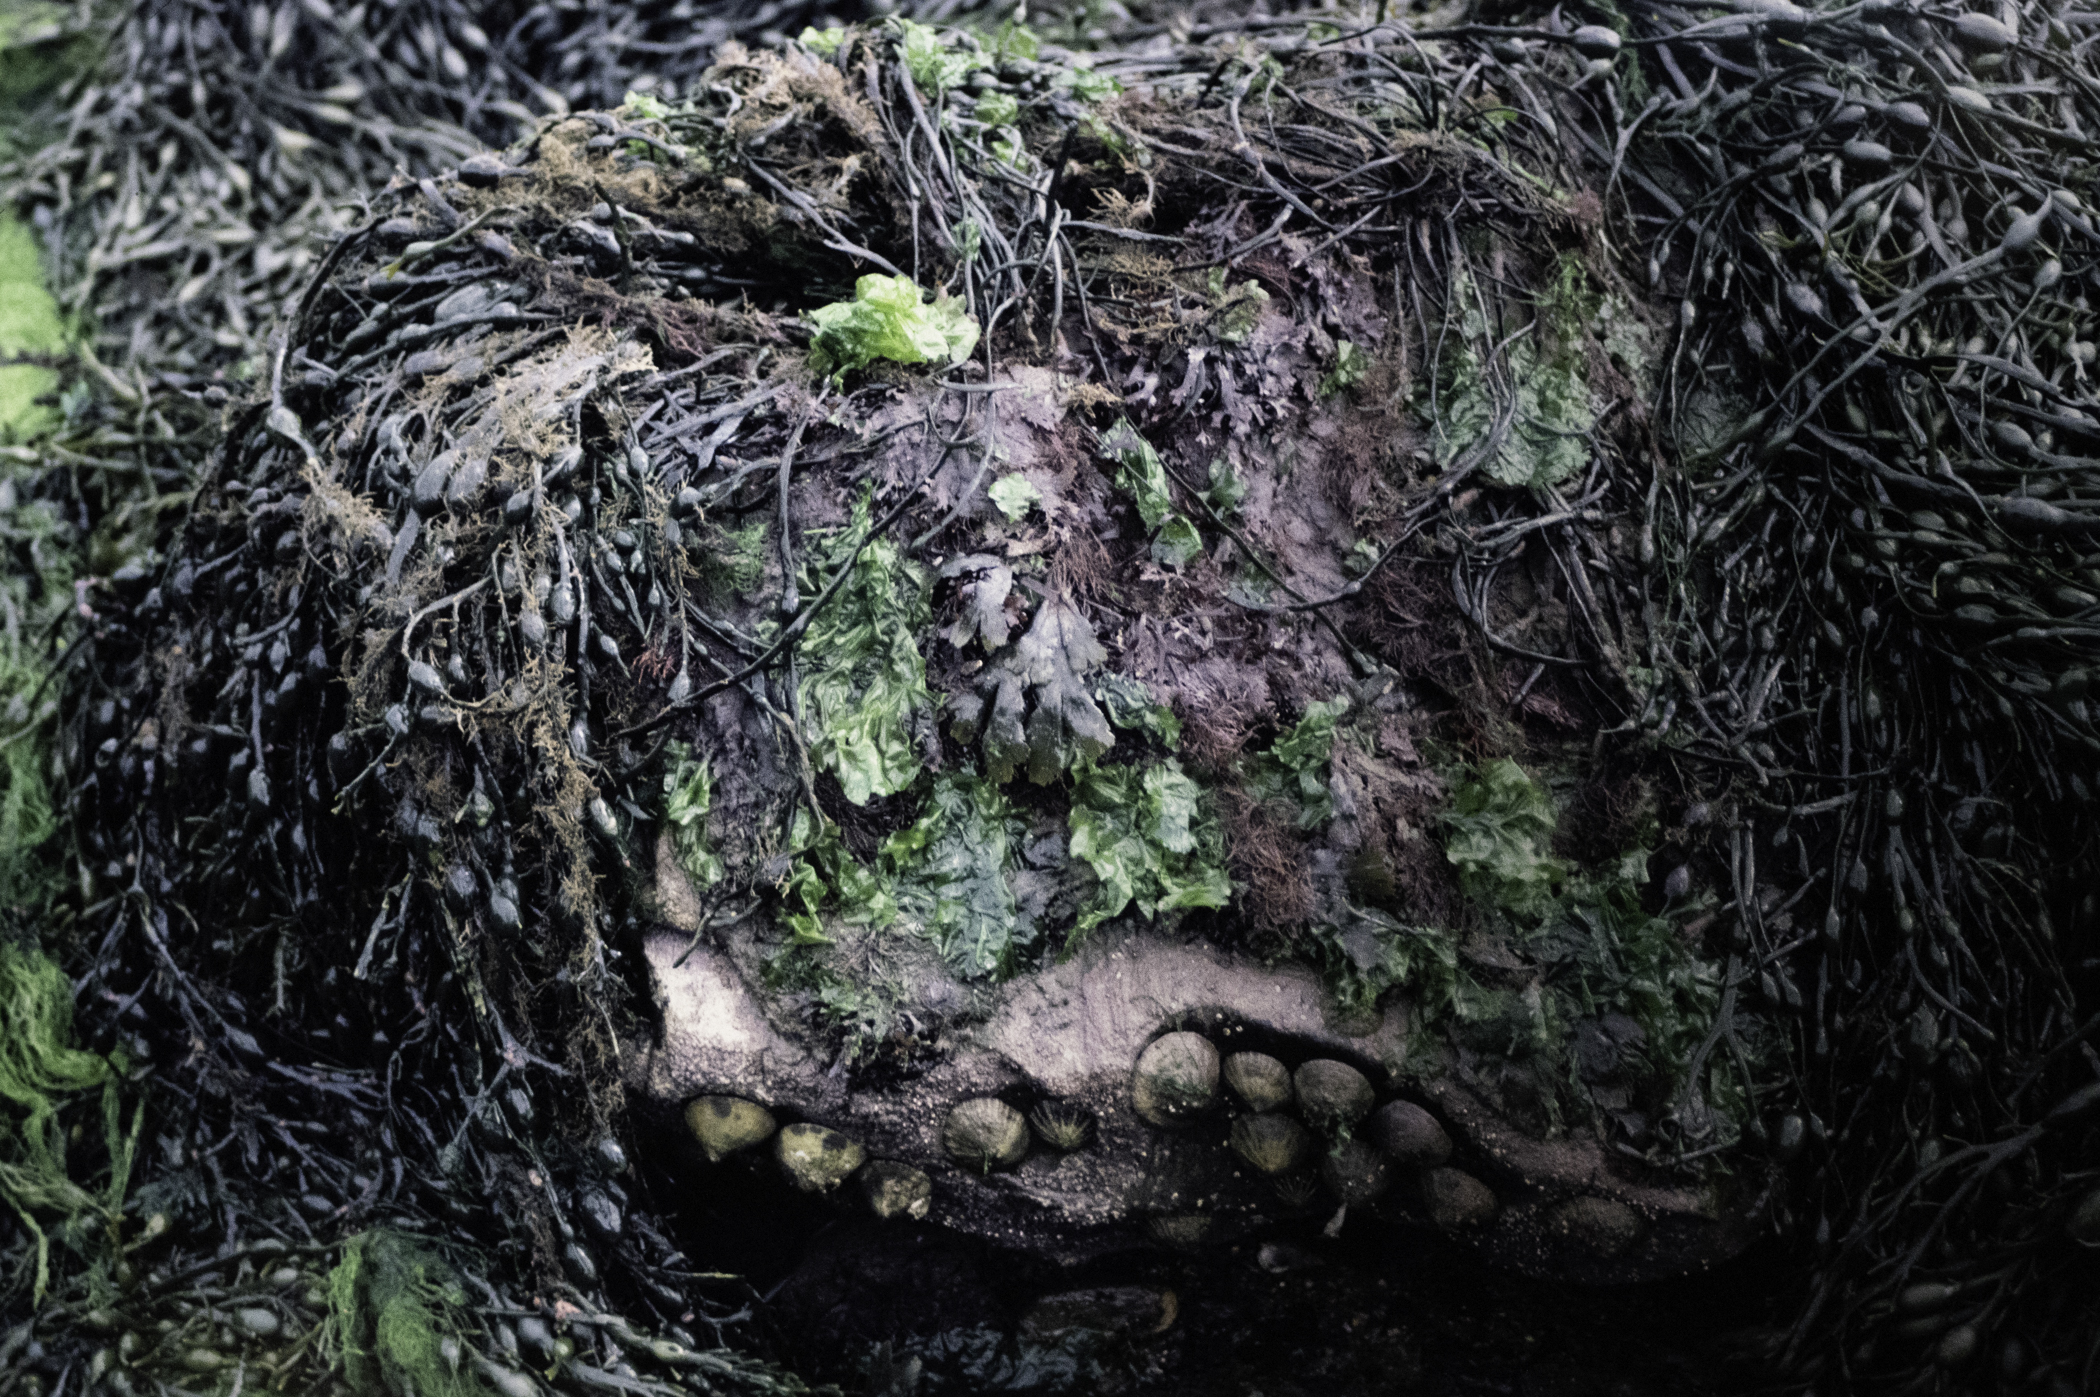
(1501, 558)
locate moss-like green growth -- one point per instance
(39, 1067)
(29, 325)
(397, 1318)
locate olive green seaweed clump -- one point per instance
(397, 1318)
(39, 1066)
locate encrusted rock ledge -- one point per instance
(1094, 1176)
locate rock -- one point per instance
(1603, 1227)
(984, 1134)
(817, 1159)
(1456, 1200)
(1333, 1094)
(1259, 1080)
(725, 1124)
(1270, 1143)
(1106, 1309)
(1176, 1079)
(1355, 1172)
(1410, 1135)
(896, 1190)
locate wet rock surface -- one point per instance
(1073, 1041)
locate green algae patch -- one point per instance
(39, 1068)
(397, 1318)
(1149, 837)
(1500, 827)
(1296, 768)
(951, 870)
(29, 325)
(888, 319)
(689, 796)
(866, 679)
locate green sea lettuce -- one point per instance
(888, 319)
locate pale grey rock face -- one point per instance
(1069, 1036)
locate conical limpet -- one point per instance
(984, 1133)
(1176, 1079)
(1259, 1080)
(1270, 1144)
(816, 1158)
(1333, 1095)
(1409, 1134)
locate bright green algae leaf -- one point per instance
(998, 109)
(1140, 473)
(1129, 706)
(933, 64)
(822, 42)
(1500, 827)
(29, 324)
(1148, 836)
(948, 874)
(887, 319)
(1350, 366)
(1298, 765)
(865, 678)
(689, 794)
(1014, 496)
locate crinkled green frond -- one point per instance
(398, 1319)
(864, 679)
(1297, 767)
(888, 319)
(689, 795)
(1498, 831)
(1149, 837)
(1143, 476)
(951, 870)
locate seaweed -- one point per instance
(1296, 767)
(1499, 828)
(866, 679)
(1143, 476)
(398, 1319)
(951, 869)
(688, 797)
(39, 1068)
(887, 319)
(1149, 836)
